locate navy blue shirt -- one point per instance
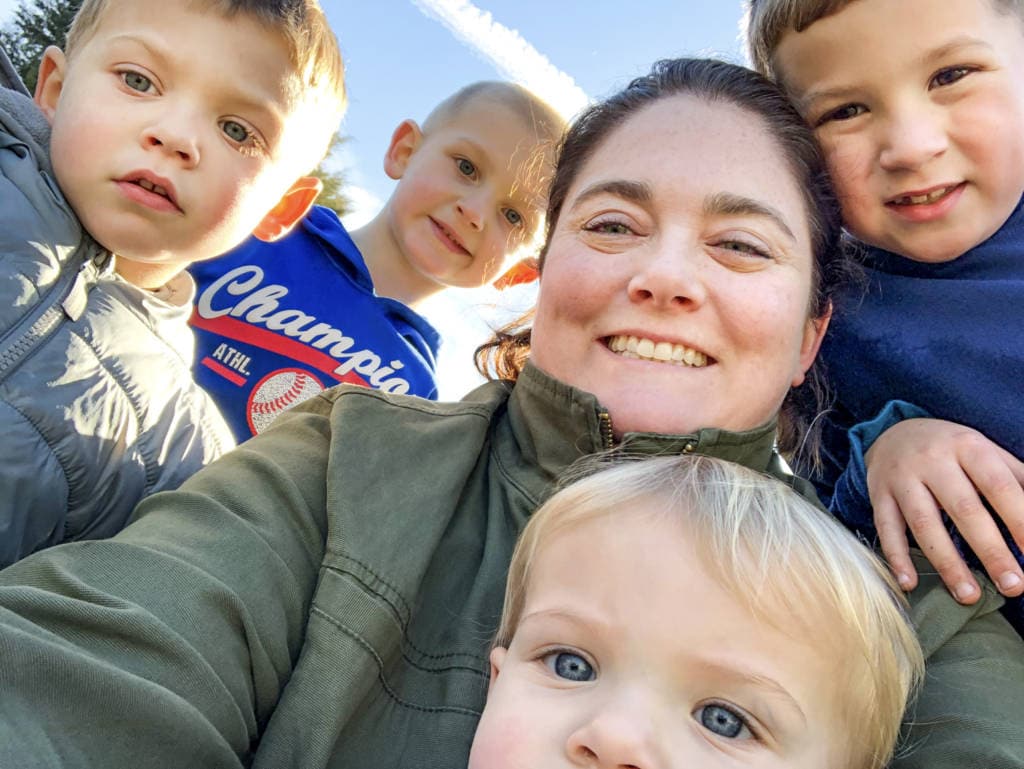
(946, 340)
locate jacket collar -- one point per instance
(555, 424)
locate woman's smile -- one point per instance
(629, 346)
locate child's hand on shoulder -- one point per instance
(920, 467)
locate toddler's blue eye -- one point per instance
(570, 666)
(466, 167)
(137, 82)
(723, 722)
(513, 217)
(235, 131)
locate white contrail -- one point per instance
(513, 56)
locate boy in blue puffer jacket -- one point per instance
(163, 134)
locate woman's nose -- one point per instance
(668, 277)
(912, 137)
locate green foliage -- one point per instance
(332, 196)
(35, 26)
(46, 22)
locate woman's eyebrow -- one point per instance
(729, 204)
(636, 192)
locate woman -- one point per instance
(325, 595)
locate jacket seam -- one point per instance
(380, 671)
(60, 463)
(403, 620)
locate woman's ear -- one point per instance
(497, 660)
(404, 142)
(814, 333)
(294, 205)
(51, 81)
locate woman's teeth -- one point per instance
(662, 352)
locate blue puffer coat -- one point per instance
(97, 403)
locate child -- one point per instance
(177, 129)
(920, 109)
(278, 323)
(811, 668)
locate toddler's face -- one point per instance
(172, 128)
(919, 106)
(467, 198)
(629, 653)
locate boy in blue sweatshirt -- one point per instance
(278, 323)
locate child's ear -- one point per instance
(497, 660)
(289, 210)
(51, 80)
(814, 333)
(404, 142)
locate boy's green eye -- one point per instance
(136, 82)
(235, 131)
(949, 76)
(513, 217)
(466, 167)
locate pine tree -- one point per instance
(46, 22)
(332, 195)
(35, 26)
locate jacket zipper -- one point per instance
(607, 437)
(44, 324)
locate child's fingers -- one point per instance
(1016, 468)
(892, 538)
(958, 494)
(922, 515)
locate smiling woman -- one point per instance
(324, 595)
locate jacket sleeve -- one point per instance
(168, 645)
(970, 710)
(850, 501)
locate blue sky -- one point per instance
(404, 56)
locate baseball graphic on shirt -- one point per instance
(277, 391)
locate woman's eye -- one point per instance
(466, 167)
(235, 131)
(846, 112)
(949, 76)
(609, 228)
(724, 722)
(742, 247)
(513, 217)
(570, 666)
(136, 82)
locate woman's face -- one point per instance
(677, 281)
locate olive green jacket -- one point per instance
(325, 595)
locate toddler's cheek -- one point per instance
(501, 742)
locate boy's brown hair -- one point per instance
(767, 21)
(319, 68)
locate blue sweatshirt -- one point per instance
(277, 323)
